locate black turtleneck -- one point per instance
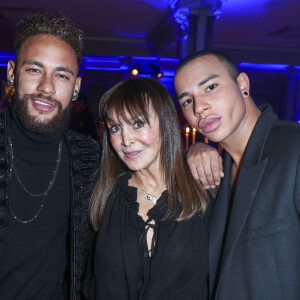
(35, 257)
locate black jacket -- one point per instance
(84, 161)
(260, 255)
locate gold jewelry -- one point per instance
(149, 196)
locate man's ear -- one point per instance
(243, 83)
(10, 69)
(77, 84)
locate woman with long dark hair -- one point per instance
(146, 206)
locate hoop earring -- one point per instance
(75, 96)
(10, 81)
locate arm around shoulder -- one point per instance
(205, 164)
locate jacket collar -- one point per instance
(229, 214)
(256, 143)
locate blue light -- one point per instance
(158, 4)
(5, 57)
(7, 54)
(167, 59)
(267, 67)
(144, 75)
(144, 58)
(166, 64)
(102, 60)
(102, 69)
(168, 73)
(250, 6)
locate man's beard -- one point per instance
(42, 127)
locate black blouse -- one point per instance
(121, 267)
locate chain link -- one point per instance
(36, 195)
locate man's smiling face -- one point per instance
(46, 78)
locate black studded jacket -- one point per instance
(84, 161)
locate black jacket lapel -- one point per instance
(251, 172)
(246, 189)
(218, 220)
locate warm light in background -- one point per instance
(187, 133)
(159, 75)
(134, 72)
(194, 136)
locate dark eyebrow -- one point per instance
(210, 77)
(201, 83)
(32, 62)
(182, 95)
(38, 64)
(65, 69)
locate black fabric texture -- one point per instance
(121, 268)
(36, 252)
(83, 161)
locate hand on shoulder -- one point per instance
(205, 164)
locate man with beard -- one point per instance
(46, 170)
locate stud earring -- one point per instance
(10, 81)
(75, 96)
(246, 93)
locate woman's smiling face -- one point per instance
(137, 143)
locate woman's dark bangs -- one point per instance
(127, 107)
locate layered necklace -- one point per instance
(153, 197)
(35, 195)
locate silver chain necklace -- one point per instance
(36, 195)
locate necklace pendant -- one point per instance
(151, 198)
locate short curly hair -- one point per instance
(55, 24)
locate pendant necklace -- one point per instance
(149, 196)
